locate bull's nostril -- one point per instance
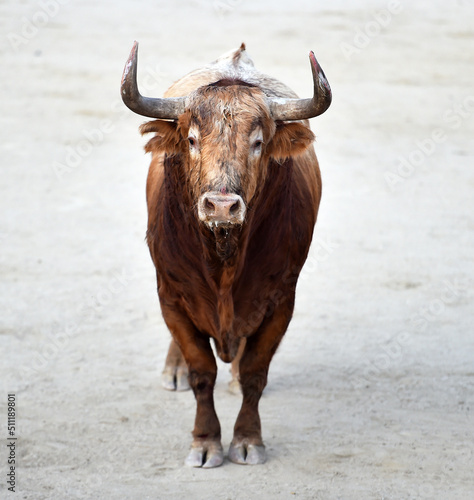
(209, 206)
(235, 207)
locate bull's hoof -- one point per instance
(175, 378)
(234, 387)
(205, 454)
(247, 454)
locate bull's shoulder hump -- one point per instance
(235, 64)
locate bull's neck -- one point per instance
(223, 255)
(221, 250)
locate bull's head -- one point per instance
(226, 132)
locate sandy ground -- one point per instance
(371, 394)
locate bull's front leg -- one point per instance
(247, 446)
(206, 449)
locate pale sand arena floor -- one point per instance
(371, 393)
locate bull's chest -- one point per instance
(232, 306)
(210, 307)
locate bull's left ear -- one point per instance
(290, 139)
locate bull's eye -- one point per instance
(193, 143)
(256, 142)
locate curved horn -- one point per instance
(165, 108)
(302, 109)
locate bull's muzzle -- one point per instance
(216, 209)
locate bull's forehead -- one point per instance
(216, 108)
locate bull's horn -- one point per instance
(165, 108)
(301, 109)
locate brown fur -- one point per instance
(240, 285)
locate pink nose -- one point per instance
(221, 209)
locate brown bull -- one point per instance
(233, 192)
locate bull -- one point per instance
(233, 191)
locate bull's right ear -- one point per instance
(166, 137)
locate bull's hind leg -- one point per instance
(175, 372)
(247, 446)
(234, 384)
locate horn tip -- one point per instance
(130, 61)
(313, 60)
(132, 58)
(317, 70)
(134, 50)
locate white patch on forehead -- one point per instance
(230, 56)
(233, 64)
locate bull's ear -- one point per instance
(166, 136)
(290, 139)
